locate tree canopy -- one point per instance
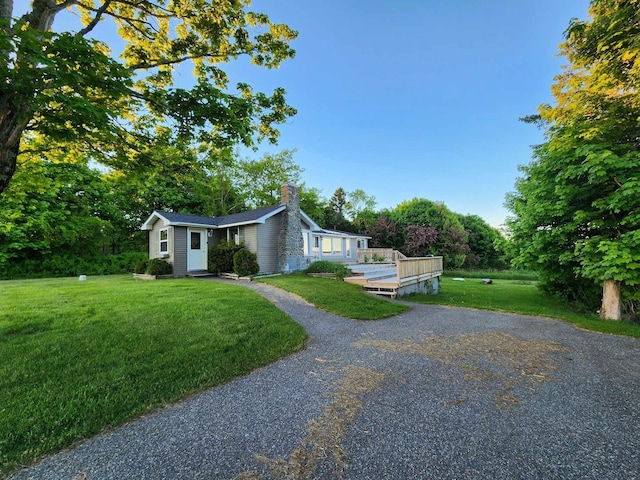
(577, 208)
(67, 85)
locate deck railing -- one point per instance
(418, 266)
(378, 255)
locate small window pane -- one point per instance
(195, 240)
(337, 246)
(164, 234)
(326, 246)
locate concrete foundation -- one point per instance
(428, 287)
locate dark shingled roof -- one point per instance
(174, 217)
(243, 217)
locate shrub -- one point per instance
(157, 266)
(324, 266)
(245, 263)
(49, 266)
(141, 266)
(221, 257)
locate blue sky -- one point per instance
(408, 99)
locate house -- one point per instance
(283, 237)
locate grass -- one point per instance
(337, 297)
(493, 274)
(518, 296)
(79, 357)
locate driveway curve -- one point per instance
(443, 393)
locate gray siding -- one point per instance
(267, 244)
(216, 237)
(251, 238)
(353, 246)
(179, 251)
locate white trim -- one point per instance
(166, 252)
(261, 219)
(148, 224)
(312, 225)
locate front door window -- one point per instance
(195, 240)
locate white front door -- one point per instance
(196, 249)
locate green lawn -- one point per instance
(79, 357)
(337, 297)
(517, 296)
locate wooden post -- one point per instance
(611, 301)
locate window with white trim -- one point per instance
(236, 235)
(163, 240)
(331, 246)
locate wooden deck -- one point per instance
(392, 278)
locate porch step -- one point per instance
(199, 273)
(372, 275)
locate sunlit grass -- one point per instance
(79, 357)
(339, 298)
(518, 296)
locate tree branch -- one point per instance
(99, 12)
(160, 63)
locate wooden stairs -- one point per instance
(378, 278)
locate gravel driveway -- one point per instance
(434, 393)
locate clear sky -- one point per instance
(409, 99)
(415, 98)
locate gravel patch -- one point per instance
(436, 392)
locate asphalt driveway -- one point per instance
(435, 393)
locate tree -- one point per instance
(259, 181)
(67, 86)
(577, 208)
(485, 243)
(420, 239)
(359, 202)
(55, 207)
(384, 233)
(312, 203)
(334, 214)
(451, 239)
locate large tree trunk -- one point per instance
(611, 301)
(8, 158)
(13, 120)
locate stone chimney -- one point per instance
(290, 243)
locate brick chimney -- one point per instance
(290, 243)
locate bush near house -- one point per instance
(157, 266)
(325, 266)
(245, 263)
(221, 257)
(141, 266)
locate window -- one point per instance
(163, 242)
(331, 246)
(326, 246)
(195, 241)
(235, 235)
(337, 246)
